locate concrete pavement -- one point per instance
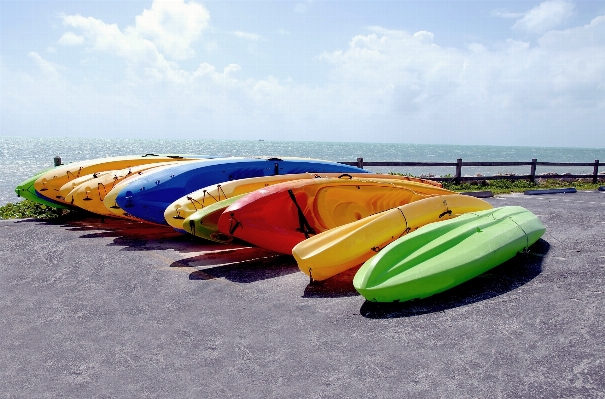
(117, 309)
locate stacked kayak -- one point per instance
(411, 237)
(90, 194)
(148, 196)
(109, 198)
(48, 184)
(280, 216)
(27, 190)
(442, 255)
(191, 203)
(204, 223)
(341, 248)
(72, 185)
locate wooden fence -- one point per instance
(457, 176)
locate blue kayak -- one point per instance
(148, 196)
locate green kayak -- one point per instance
(26, 190)
(204, 223)
(444, 254)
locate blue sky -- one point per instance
(437, 72)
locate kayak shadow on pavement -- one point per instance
(238, 263)
(506, 277)
(133, 235)
(340, 285)
(244, 266)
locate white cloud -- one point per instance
(506, 89)
(232, 68)
(173, 26)
(247, 36)
(385, 85)
(48, 68)
(70, 39)
(106, 38)
(167, 30)
(388, 32)
(547, 15)
(127, 44)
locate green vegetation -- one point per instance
(30, 209)
(516, 186)
(519, 186)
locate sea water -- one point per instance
(21, 158)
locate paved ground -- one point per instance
(93, 309)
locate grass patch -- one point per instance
(517, 186)
(29, 209)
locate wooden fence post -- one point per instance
(595, 172)
(360, 163)
(533, 170)
(458, 170)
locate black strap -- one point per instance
(305, 227)
(99, 185)
(448, 211)
(220, 190)
(233, 226)
(404, 232)
(526, 249)
(179, 217)
(193, 201)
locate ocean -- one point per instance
(21, 158)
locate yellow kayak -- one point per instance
(50, 183)
(89, 194)
(336, 250)
(67, 188)
(186, 206)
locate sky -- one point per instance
(520, 73)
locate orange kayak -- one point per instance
(280, 216)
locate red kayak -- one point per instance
(279, 217)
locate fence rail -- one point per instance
(457, 176)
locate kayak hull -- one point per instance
(204, 223)
(339, 249)
(49, 184)
(192, 202)
(27, 190)
(442, 255)
(148, 197)
(281, 216)
(90, 194)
